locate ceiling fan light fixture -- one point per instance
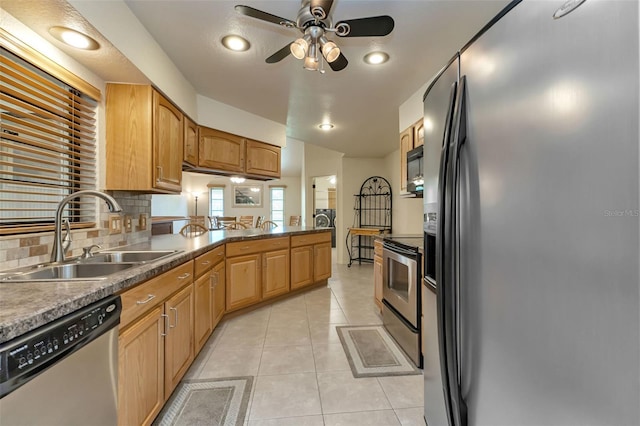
(310, 63)
(235, 43)
(330, 50)
(376, 58)
(299, 48)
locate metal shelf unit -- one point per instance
(372, 216)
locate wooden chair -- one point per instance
(193, 230)
(259, 221)
(247, 221)
(268, 224)
(213, 222)
(295, 220)
(224, 221)
(236, 225)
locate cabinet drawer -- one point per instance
(247, 247)
(309, 239)
(144, 297)
(208, 260)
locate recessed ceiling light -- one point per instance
(235, 43)
(376, 58)
(74, 38)
(325, 126)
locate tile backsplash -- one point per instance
(30, 249)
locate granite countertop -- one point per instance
(25, 306)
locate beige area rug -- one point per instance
(372, 352)
(208, 402)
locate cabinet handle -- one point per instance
(183, 276)
(221, 254)
(166, 324)
(159, 178)
(213, 279)
(206, 262)
(175, 310)
(149, 298)
(246, 248)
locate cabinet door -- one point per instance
(179, 338)
(141, 370)
(202, 305)
(418, 133)
(243, 281)
(218, 294)
(377, 280)
(321, 261)
(190, 142)
(167, 145)
(301, 266)
(262, 159)
(275, 273)
(406, 145)
(220, 150)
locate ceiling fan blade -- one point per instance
(324, 4)
(279, 55)
(264, 16)
(366, 27)
(340, 63)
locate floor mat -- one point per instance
(208, 402)
(372, 352)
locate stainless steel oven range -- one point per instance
(401, 293)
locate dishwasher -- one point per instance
(65, 372)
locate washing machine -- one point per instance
(327, 218)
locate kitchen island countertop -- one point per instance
(25, 306)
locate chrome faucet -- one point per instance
(57, 252)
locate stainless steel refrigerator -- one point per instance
(531, 169)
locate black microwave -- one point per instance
(415, 177)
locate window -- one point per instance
(277, 205)
(216, 201)
(47, 143)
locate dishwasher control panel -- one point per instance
(24, 357)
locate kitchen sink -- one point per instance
(126, 256)
(68, 272)
(97, 267)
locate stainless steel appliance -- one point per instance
(415, 177)
(401, 294)
(537, 272)
(64, 373)
(327, 218)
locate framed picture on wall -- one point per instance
(247, 195)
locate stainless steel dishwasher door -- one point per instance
(79, 390)
(64, 373)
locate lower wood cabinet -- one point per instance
(218, 300)
(256, 270)
(377, 272)
(275, 276)
(310, 259)
(202, 311)
(207, 313)
(155, 343)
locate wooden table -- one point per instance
(364, 246)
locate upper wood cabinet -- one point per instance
(190, 142)
(262, 159)
(144, 140)
(410, 138)
(226, 153)
(220, 151)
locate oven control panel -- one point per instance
(24, 357)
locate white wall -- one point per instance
(223, 117)
(407, 212)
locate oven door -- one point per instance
(400, 281)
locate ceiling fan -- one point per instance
(314, 21)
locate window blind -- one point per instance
(47, 148)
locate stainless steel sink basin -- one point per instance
(97, 267)
(127, 256)
(68, 272)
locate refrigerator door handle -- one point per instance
(442, 243)
(452, 311)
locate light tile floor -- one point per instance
(302, 374)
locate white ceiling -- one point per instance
(361, 100)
